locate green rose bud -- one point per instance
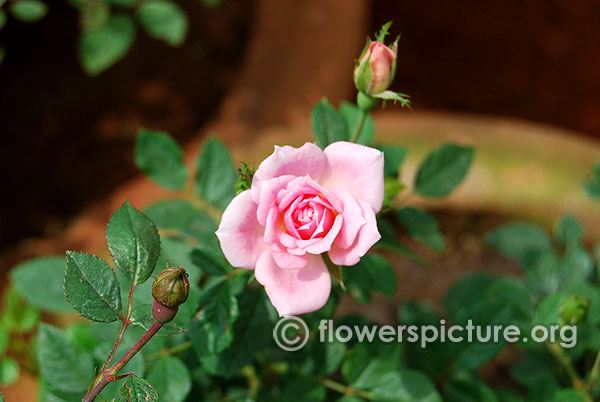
(170, 289)
(573, 310)
(244, 180)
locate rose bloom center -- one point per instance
(309, 216)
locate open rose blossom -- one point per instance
(304, 202)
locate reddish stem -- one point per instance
(110, 374)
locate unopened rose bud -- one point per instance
(573, 310)
(171, 287)
(376, 69)
(244, 181)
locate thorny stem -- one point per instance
(111, 374)
(565, 361)
(359, 127)
(126, 321)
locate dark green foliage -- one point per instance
(327, 124)
(443, 170)
(161, 158)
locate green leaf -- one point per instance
(215, 176)
(568, 231)
(133, 242)
(394, 96)
(2, 54)
(521, 240)
(391, 188)
(40, 282)
(253, 332)
(466, 388)
(393, 156)
(100, 49)
(568, 395)
(141, 316)
(2, 21)
(28, 10)
(9, 371)
(347, 398)
(576, 266)
(122, 3)
(302, 389)
(63, 367)
(592, 184)
(421, 226)
(390, 242)
(535, 373)
(93, 15)
(508, 395)
(211, 332)
(161, 158)
(164, 20)
(372, 273)
(183, 217)
(465, 293)
(137, 389)
(4, 338)
(92, 287)
(351, 115)
(210, 260)
(18, 315)
(327, 124)
(367, 362)
(443, 170)
(404, 386)
(171, 379)
(334, 356)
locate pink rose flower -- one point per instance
(304, 202)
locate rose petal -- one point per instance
(326, 242)
(357, 169)
(265, 193)
(367, 237)
(240, 234)
(287, 260)
(286, 160)
(296, 291)
(353, 219)
(306, 185)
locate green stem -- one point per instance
(253, 381)
(565, 361)
(201, 204)
(343, 389)
(594, 373)
(361, 122)
(170, 351)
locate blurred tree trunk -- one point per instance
(299, 52)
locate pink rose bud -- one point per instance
(376, 68)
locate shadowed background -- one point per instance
(68, 138)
